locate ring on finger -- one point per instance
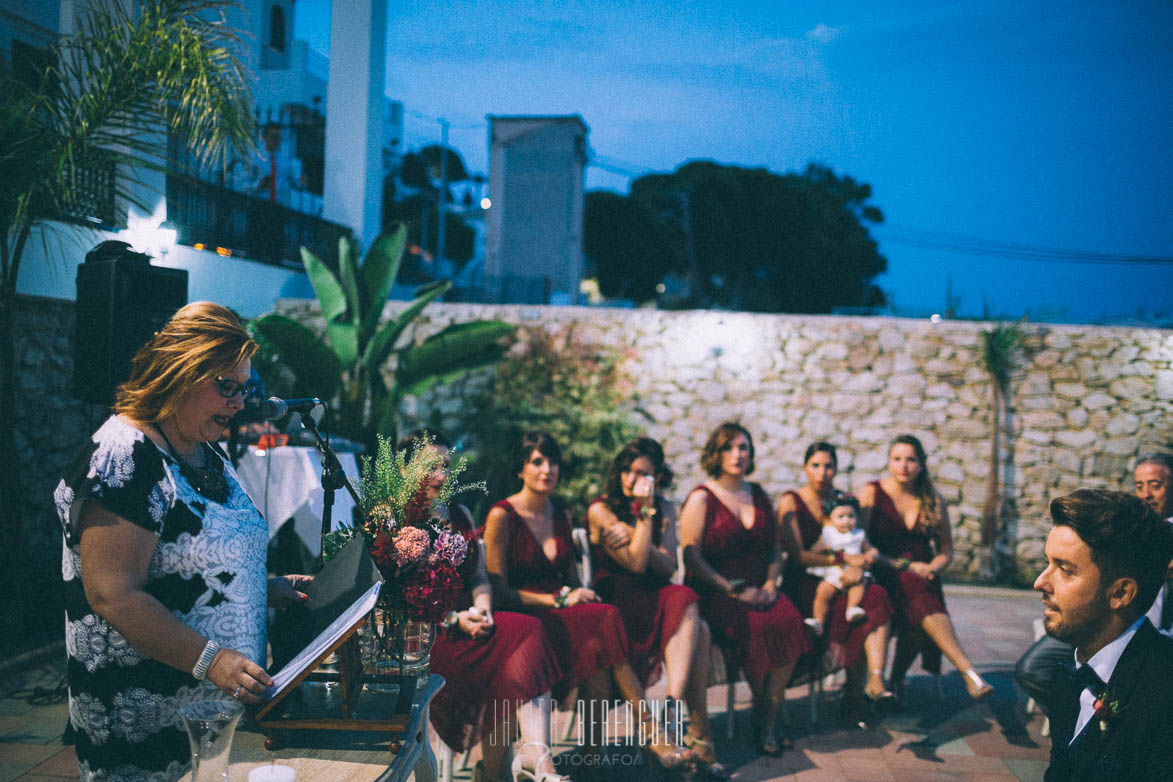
(236, 695)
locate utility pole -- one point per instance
(442, 199)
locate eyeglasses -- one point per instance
(229, 388)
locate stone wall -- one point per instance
(51, 427)
(1084, 401)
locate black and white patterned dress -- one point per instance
(208, 569)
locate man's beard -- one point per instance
(1079, 625)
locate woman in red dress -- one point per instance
(730, 540)
(849, 644)
(908, 522)
(633, 540)
(499, 667)
(530, 557)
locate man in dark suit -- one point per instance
(1112, 713)
(1152, 476)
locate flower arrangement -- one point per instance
(404, 522)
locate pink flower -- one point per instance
(411, 546)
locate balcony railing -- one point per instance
(216, 217)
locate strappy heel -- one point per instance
(660, 749)
(884, 697)
(705, 764)
(523, 774)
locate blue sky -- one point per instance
(1043, 124)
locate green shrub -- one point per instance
(570, 388)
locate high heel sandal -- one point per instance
(669, 755)
(522, 774)
(975, 685)
(705, 764)
(773, 742)
(884, 698)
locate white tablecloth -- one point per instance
(286, 483)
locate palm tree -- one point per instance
(999, 349)
(107, 95)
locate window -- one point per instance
(277, 28)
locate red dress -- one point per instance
(488, 678)
(844, 640)
(587, 637)
(652, 608)
(913, 596)
(757, 641)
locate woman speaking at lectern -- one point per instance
(164, 557)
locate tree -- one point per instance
(347, 366)
(999, 350)
(754, 240)
(106, 96)
(629, 245)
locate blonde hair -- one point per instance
(201, 342)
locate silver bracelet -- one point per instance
(200, 671)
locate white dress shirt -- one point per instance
(1103, 663)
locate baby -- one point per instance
(839, 537)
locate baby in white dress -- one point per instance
(841, 537)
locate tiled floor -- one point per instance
(930, 739)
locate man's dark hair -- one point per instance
(1126, 537)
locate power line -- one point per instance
(971, 245)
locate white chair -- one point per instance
(582, 547)
(1031, 706)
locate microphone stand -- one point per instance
(333, 477)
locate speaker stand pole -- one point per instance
(333, 478)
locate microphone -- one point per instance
(273, 408)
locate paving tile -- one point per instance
(1028, 770)
(866, 770)
(63, 764)
(17, 758)
(954, 747)
(819, 775)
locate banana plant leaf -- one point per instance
(343, 335)
(348, 274)
(379, 271)
(310, 360)
(379, 348)
(449, 350)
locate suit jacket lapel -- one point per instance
(1090, 748)
(1063, 711)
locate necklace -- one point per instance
(208, 480)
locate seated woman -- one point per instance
(732, 559)
(499, 667)
(530, 557)
(802, 516)
(633, 539)
(908, 522)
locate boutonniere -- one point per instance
(1106, 709)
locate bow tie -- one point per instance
(1088, 679)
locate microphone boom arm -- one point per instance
(333, 477)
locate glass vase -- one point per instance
(396, 651)
(210, 727)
